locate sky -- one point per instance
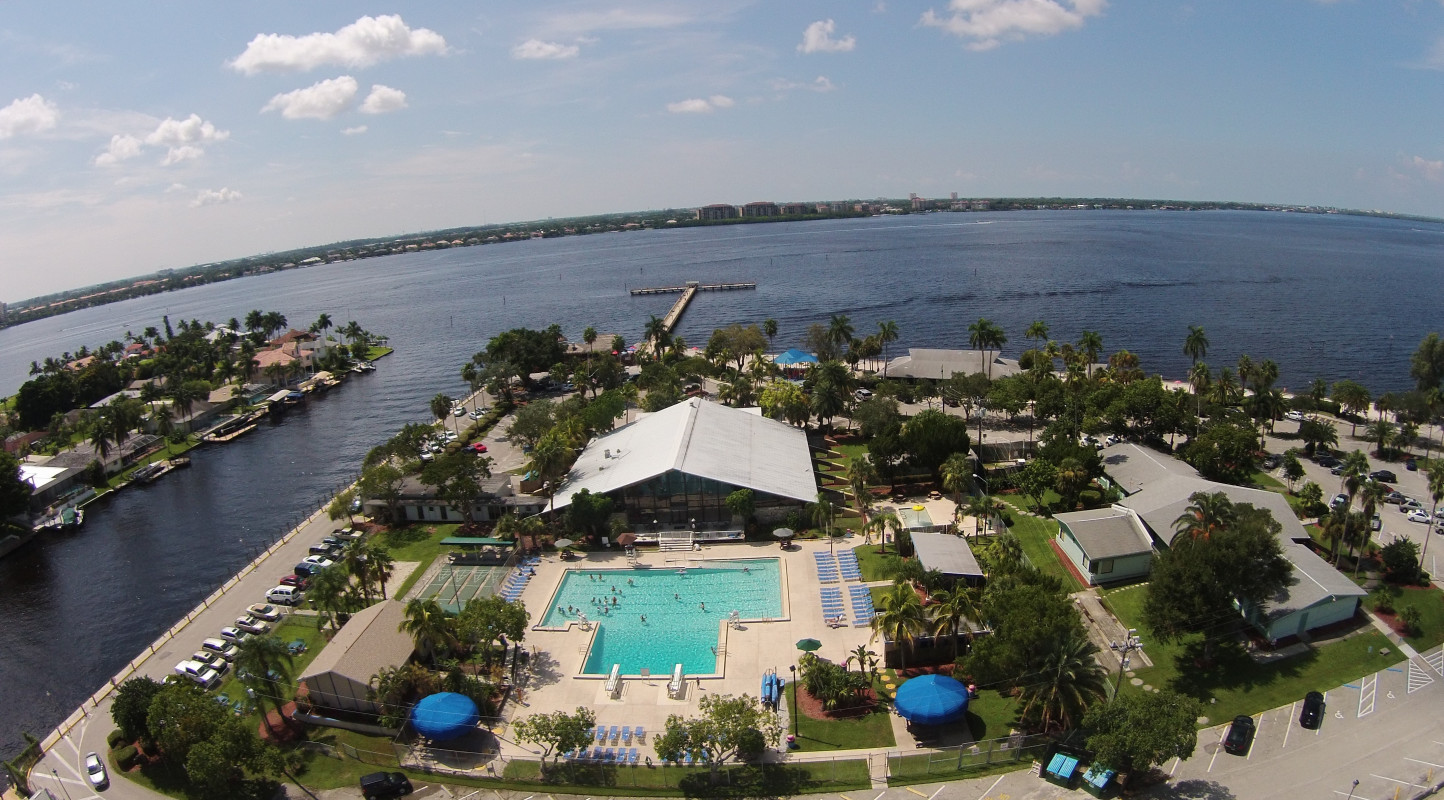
(141, 136)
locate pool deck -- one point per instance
(555, 683)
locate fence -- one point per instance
(966, 758)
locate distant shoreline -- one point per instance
(170, 280)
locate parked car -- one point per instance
(203, 675)
(379, 785)
(220, 647)
(862, 394)
(1411, 465)
(284, 595)
(459, 411)
(1296, 416)
(1313, 712)
(95, 771)
(1384, 476)
(250, 624)
(1419, 515)
(1339, 501)
(478, 447)
(212, 660)
(347, 534)
(427, 456)
(476, 413)
(1394, 498)
(1272, 461)
(320, 549)
(321, 562)
(233, 635)
(1326, 460)
(1376, 523)
(1410, 504)
(302, 582)
(1240, 735)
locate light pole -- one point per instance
(1351, 790)
(793, 667)
(67, 791)
(1128, 645)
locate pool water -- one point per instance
(914, 518)
(682, 611)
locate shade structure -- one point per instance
(931, 700)
(445, 715)
(563, 544)
(795, 356)
(627, 539)
(809, 645)
(784, 533)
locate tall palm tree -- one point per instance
(1195, 344)
(887, 333)
(1069, 681)
(1225, 388)
(1355, 474)
(860, 475)
(957, 475)
(986, 336)
(1037, 331)
(353, 559)
(320, 326)
(100, 436)
(441, 408)
(655, 331)
(1090, 344)
(953, 607)
(1381, 432)
(184, 395)
(978, 508)
(1436, 491)
(329, 590)
(839, 331)
(379, 565)
(769, 329)
(881, 524)
(1199, 378)
(264, 664)
(1371, 496)
(900, 619)
(430, 628)
(1205, 515)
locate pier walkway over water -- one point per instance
(689, 291)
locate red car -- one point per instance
(478, 447)
(296, 581)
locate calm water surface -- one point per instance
(1328, 297)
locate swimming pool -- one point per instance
(682, 610)
(913, 518)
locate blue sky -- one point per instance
(138, 136)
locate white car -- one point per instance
(212, 660)
(1296, 416)
(1419, 515)
(264, 611)
(235, 635)
(321, 562)
(220, 647)
(250, 624)
(459, 411)
(95, 771)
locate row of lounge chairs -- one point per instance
(610, 755)
(862, 609)
(826, 567)
(515, 583)
(832, 610)
(843, 566)
(848, 567)
(625, 735)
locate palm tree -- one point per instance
(429, 626)
(441, 408)
(861, 474)
(1199, 378)
(1072, 480)
(769, 329)
(1381, 432)
(986, 336)
(839, 330)
(329, 590)
(1090, 344)
(321, 325)
(1225, 388)
(353, 560)
(1436, 491)
(900, 619)
(264, 665)
(823, 513)
(1205, 515)
(254, 320)
(881, 524)
(183, 395)
(1195, 344)
(1355, 472)
(1037, 331)
(952, 609)
(957, 475)
(1371, 496)
(865, 659)
(887, 333)
(655, 331)
(976, 507)
(1069, 681)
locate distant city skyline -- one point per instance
(136, 137)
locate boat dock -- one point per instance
(689, 291)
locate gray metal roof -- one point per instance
(735, 446)
(368, 641)
(1132, 467)
(1107, 532)
(1315, 581)
(946, 553)
(1162, 501)
(941, 364)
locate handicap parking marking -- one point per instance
(1435, 660)
(1367, 689)
(1419, 677)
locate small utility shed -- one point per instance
(947, 554)
(340, 676)
(1107, 545)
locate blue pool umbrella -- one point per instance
(931, 700)
(445, 715)
(795, 356)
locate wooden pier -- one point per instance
(689, 291)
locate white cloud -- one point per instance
(191, 130)
(1431, 170)
(122, 147)
(988, 23)
(175, 187)
(537, 49)
(818, 84)
(33, 114)
(617, 19)
(185, 152)
(697, 105)
(322, 100)
(212, 197)
(818, 39)
(383, 100)
(356, 131)
(367, 41)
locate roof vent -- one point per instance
(606, 453)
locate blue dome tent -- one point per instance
(445, 715)
(931, 700)
(794, 357)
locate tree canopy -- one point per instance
(1136, 731)
(729, 727)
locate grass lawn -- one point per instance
(171, 450)
(1235, 684)
(875, 566)
(292, 627)
(820, 735)
(849, 452)
(767, 780)
(1430, 603)
(420, 543)
(376, 351)
(1263, 480)
(1036, 536)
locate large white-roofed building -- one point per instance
(677, 466)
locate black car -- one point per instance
(1411, 465)
(1327, 461)
(1384, 476)
(384, 784)
(1313, 712)
(1240, 735)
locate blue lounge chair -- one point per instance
(598, 755)
(633, 757)
(626, 734)
(615, 734)
(601, 733)
(610, 756)
(687, 759)
(641, 734)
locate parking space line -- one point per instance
(935, 794)
(1216, 750)
(1320, 727)
(1257, 729)
(990, 788)
(1396, 780)
(1289, 726)
(1367, 688)
(1425, 763)
(1354, 795)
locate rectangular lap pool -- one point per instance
(657, 618)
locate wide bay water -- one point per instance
(1324, 296)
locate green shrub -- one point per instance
(125, 757)
(1412, 618)
(1384, 600)
(115, 739)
